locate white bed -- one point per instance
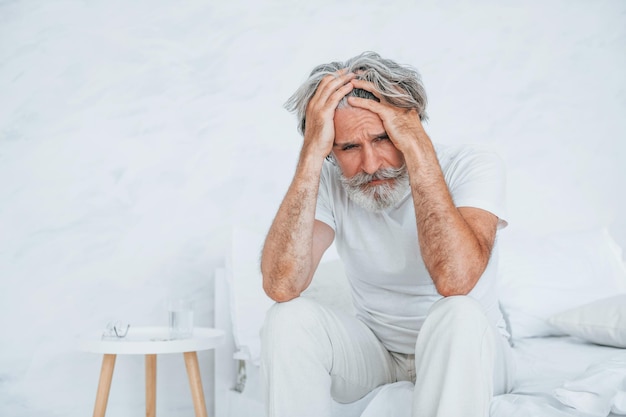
(564, 297)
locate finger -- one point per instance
(331, 83)
(338, 95)
(367, 104)
(330, 105)
(325, 103)
(341, 74)
(330, 96)
(367, 86)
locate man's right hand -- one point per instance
(296, 241)
(319, 134)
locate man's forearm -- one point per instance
(453, 254)
(286, 261)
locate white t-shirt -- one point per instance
(391, 288)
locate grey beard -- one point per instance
(377, 198)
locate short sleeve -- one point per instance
(324, 207)
(477, 178)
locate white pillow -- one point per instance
(602, 322)
(542, 276)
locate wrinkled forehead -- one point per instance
(352, 123)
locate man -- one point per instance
(415, 225)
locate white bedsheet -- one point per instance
(544, 363)
(601, 389)
(546, 366)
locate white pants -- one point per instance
(311, 353)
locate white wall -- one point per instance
(134, 134)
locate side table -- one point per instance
(151, 341)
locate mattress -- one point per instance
(543, 365)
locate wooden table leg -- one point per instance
(104, 385)
(193, 371)
(151, 385)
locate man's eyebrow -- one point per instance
(341, 144)
(382, 135)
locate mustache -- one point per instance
(363, 178)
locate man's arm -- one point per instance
(455, 243)
(296, 241)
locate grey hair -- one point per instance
(399, 85)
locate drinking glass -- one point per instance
(180, 318)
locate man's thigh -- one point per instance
(359, 361)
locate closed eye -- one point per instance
(381, 138)
(349, 146)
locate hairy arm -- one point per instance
(296, 241)
(455, 243)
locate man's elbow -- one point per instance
(452, 287)
(281, 282)
(279, 293)
(452, 291)
(282, 297)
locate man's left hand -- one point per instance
(403, 126)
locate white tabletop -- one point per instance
(153, 340)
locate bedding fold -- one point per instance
(600, 390)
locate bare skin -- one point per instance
(455, 243)
(296, 241)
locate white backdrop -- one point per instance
(133, 135)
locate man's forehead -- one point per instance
(350, 120)
(354, 118)
(350, 110)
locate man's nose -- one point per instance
(371, 161)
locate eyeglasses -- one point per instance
(115, 330)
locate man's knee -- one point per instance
(456, 317)
(298, 311)
(290, 321)
(459, 308)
